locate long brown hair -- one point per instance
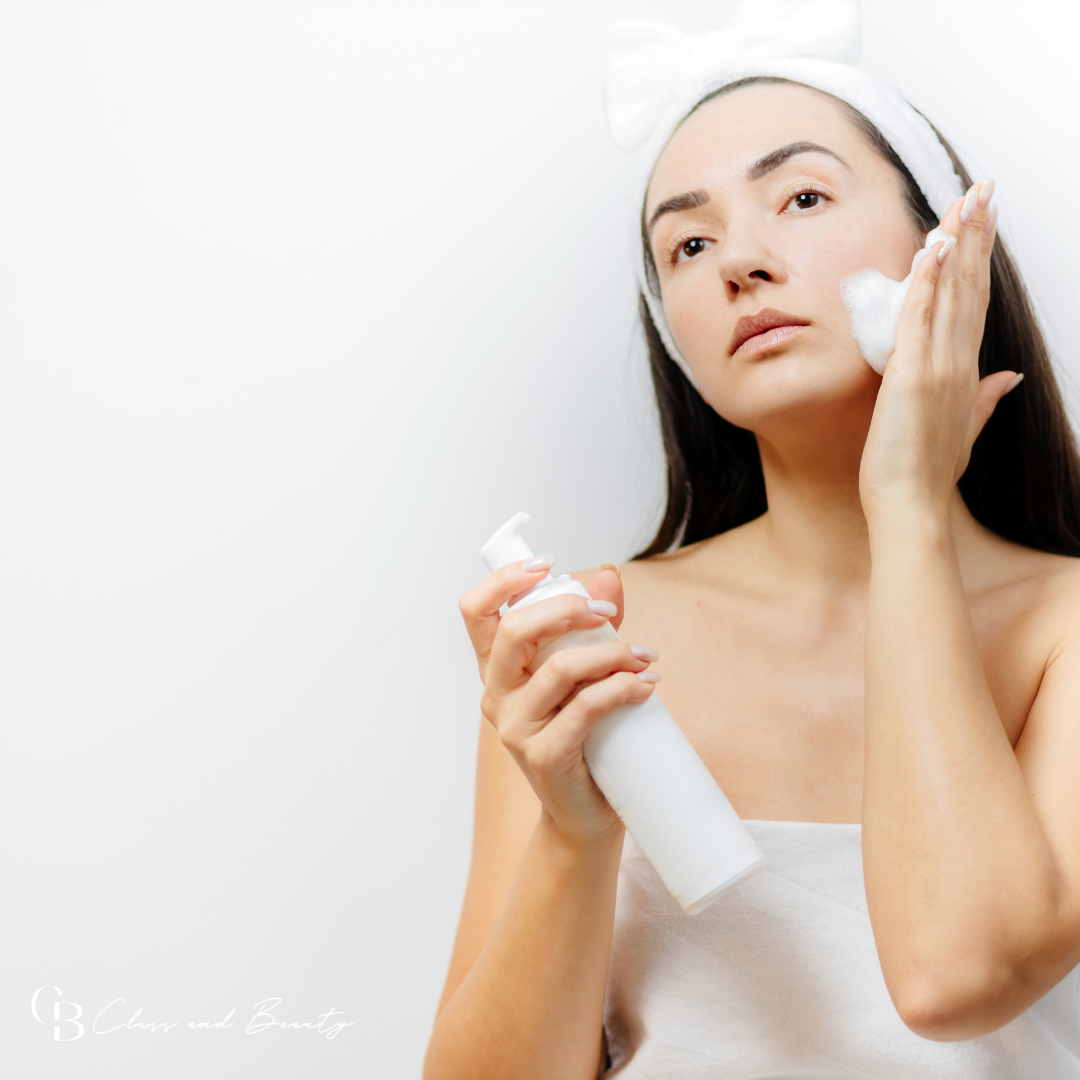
(1023, 478)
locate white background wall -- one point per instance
(299, 301)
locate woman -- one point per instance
(870, 631)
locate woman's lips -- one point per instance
(766, 340)
(762, 330)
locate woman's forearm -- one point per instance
(532, 1005)
(960, 881)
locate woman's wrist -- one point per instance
(575, 848)
(908, 526)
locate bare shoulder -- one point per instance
(1054, 605)
(663, 596)
(1037, 586)
(647, 586)
(1060, 587)
(1025, 609)
(684, 567)
(1040, 649)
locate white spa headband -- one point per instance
(657, 75)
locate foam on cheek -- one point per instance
(874, 302)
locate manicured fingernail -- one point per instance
(969, 205)
(609, 566)
(643, 652)
(991, 220)
(946, 247)
(603, 607)
(648, 676)
(986, 193)
(1014, 382)
(541, 562)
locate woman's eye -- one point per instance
(691, 248)
(805, 200)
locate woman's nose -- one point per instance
(745, 261)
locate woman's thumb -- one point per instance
(606, 584)
(991, 390)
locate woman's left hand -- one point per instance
(931, 404)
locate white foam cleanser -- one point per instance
(646, 767)
(874, 303)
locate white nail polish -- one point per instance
(648, 676)
(943, 254)
(603, 607)
(969, 206)
(643, 652)
(541, 562)
(1014, 382)
(991, 220)
(986, 193)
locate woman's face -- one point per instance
(761, 203)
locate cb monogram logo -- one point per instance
(72, 1019)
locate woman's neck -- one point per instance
(814, 534)
(814, 530)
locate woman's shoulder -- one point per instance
(665, 569)
(667, 586)
(1031, 589)
(688, 565)
(1045, 574)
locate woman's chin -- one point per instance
(795, 387)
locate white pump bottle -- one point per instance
(646, 767)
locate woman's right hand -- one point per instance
(543, 718)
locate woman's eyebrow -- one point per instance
(777, 158)
(689, 200)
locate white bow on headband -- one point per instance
(650, 66)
